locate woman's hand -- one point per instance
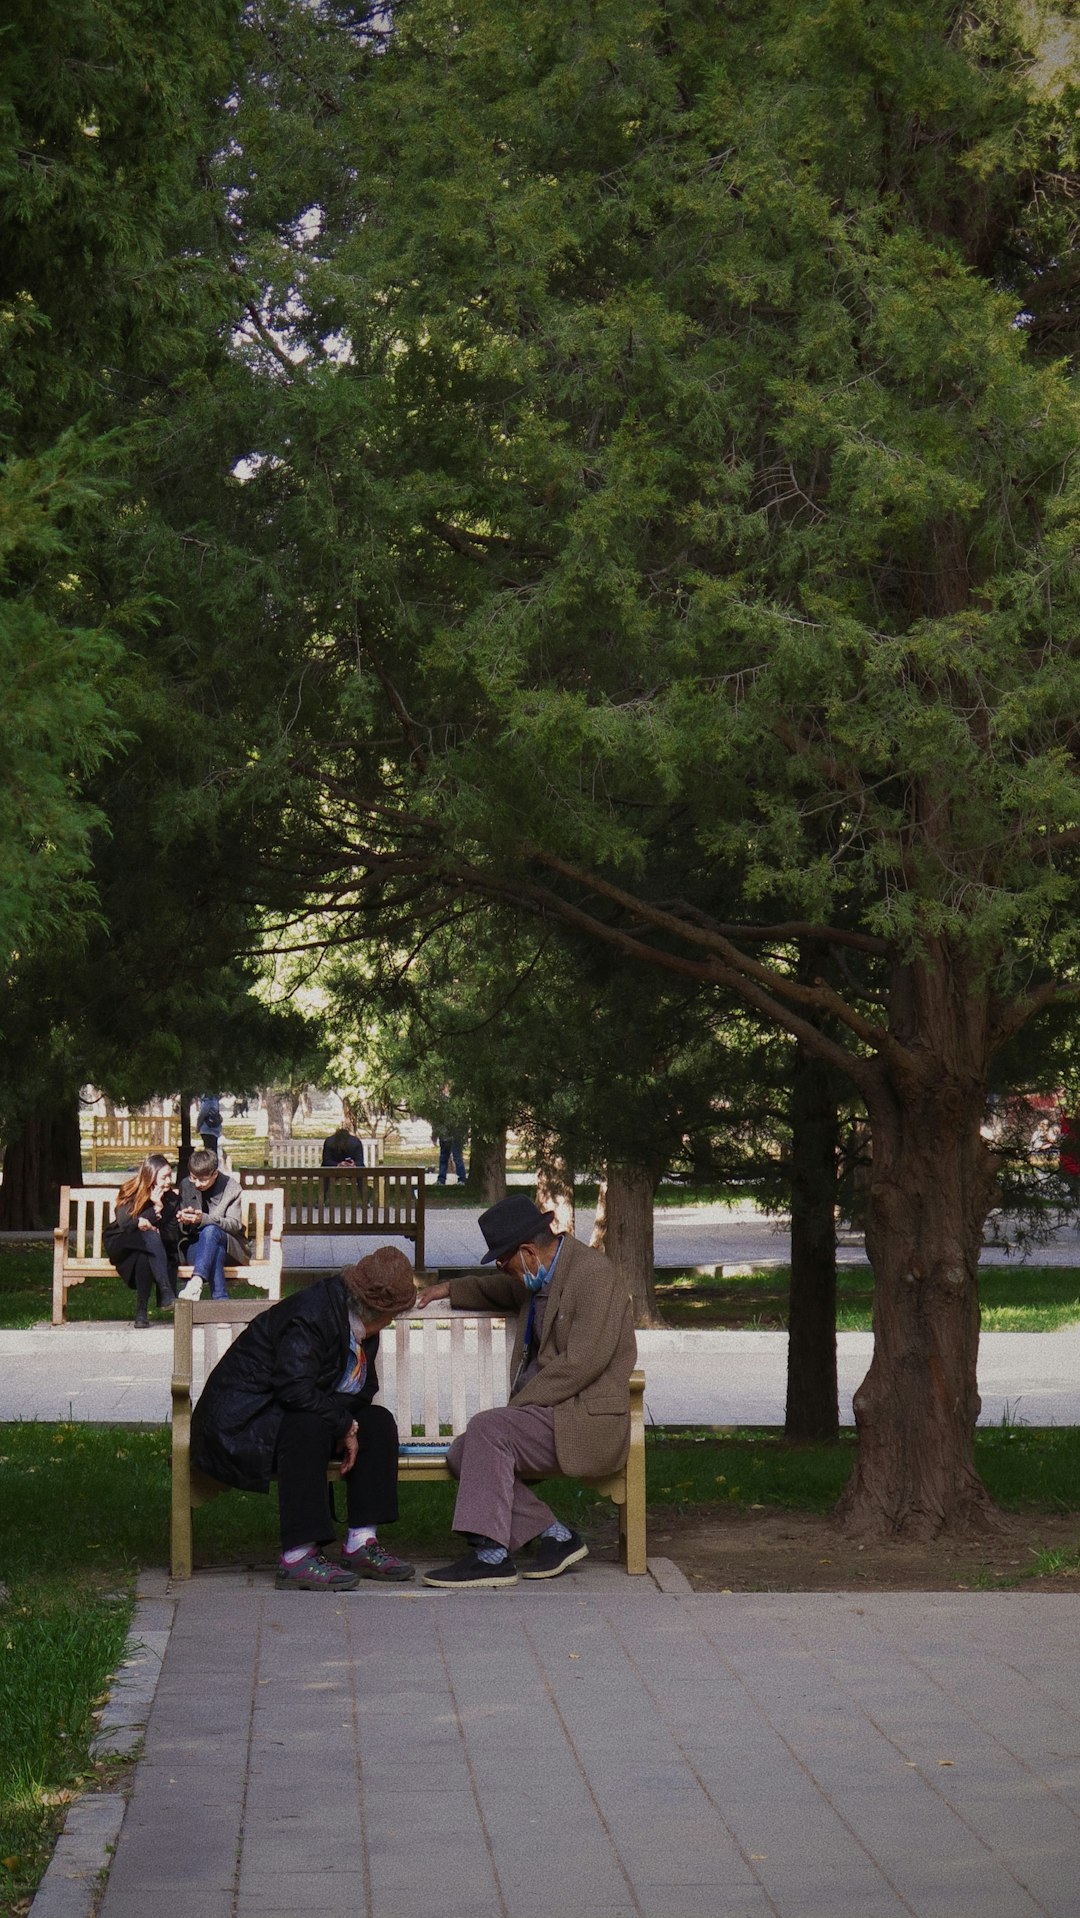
(146, 1226)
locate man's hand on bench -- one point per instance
(440, 1290)
(350, 1446)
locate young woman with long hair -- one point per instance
(143, 1238)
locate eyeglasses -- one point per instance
(507, 1259)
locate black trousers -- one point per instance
(305, 1447)
(152, 1269)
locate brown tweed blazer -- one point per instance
(587, 1353)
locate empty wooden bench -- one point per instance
(368, 1201)
(434, 1372)
(135, 1136)
(79, 1252)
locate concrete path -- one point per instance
(606, 1748)
(106, 1374)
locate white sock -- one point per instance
(558, 1531)
(359, 1535)
(296, 1552)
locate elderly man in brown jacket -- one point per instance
(569, 1406)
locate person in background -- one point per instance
(343, 1148)
(208, 1123)
(1069, 1154)
(296, 1391)
(448, 1128)
(142, 1239)
(211, 1223)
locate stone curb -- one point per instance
(73, 1877)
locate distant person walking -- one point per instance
(448, 1129)
(1069, 1154)
(208, 1123)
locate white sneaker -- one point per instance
(192, 1290)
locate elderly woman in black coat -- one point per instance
(296, 1390)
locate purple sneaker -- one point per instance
(374, 1561)
(315, 1574)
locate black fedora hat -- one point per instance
(509, 1224)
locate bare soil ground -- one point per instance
(727, 1548)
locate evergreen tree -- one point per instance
(674, 444)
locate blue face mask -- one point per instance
(534, 1281)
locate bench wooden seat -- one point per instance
(434, 1372)
(367, 1201)
(79, 1253)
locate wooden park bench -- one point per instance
(293, 1153)
(79, 1253)
(135, 1136)
(384, 1201)
(433, 1374)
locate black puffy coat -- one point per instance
(289, 1359)
(125, 1242)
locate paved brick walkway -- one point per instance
(600, 1748)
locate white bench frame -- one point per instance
(86, 1210)
(435, 1372)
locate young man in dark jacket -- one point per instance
(295, 1390)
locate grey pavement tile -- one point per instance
(166, 1901)
(705, 1901)
(298, 1891)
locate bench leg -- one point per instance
(181, 1547)
(59, 1289)
(632, 1515)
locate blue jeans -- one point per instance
(208, 1254)
(448, 1147)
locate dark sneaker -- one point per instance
(471, 1574)
(315, 1574)
(555, 1555)
(374, 1561)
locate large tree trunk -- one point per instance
(624, 1230)
(280, 1107)
(555, 1188)
(487, 1168)
(812, 1412)
(931, 1185)
(45, 1155)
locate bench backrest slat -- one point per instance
(430, 1336)
(458, 1415)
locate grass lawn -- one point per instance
(1014, 1298)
